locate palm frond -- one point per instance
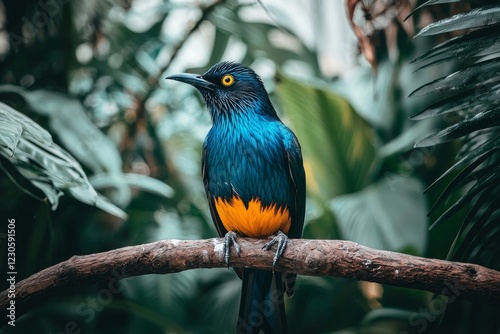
(471, 100)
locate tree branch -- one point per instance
(306, 257)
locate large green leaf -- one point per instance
(69, 121)
(337, 144)
(47, 166)
(389, 214)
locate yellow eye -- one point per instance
(227, 80)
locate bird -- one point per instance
(253, 174)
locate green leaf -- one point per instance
(389, 214)
(477, 43)
(256, 36)
(13, 125)
(482, 183)
(82, 138)
(481, 152)
(460, 179)
(482, 120)
(67, 119)
(406, 140)
(372, 96)
(47, 166)
(337, 144)
(481, 73)
(470, 101)
(141, 182)
(475, 18)
(10, 131)
(220, 45)
(87, 194)
(477, 233)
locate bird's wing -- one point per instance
(297, 184)
(297, 179)
(211, 201)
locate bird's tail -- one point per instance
(262, 306)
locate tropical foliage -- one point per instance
(97, 152)
(472, 114)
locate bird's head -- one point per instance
(230, 88)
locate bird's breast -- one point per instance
(249, 178)
(253, 219)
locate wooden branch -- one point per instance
(306, 257)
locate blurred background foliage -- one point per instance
(90, 76)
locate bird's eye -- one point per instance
(227, 80)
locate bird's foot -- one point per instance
(230, 239)
(282, 240)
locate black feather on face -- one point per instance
(236, 87)
(229, 87)
(233, 77)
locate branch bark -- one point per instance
(306, 257)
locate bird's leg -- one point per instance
(230, 239)
(280, 238)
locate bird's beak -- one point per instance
(195, 80)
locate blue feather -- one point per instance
(249, 155)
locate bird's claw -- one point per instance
(282, 240)
(230, 239)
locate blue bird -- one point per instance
(255, 183)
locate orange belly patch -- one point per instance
(256, 221)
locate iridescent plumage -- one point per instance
(254, 180)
